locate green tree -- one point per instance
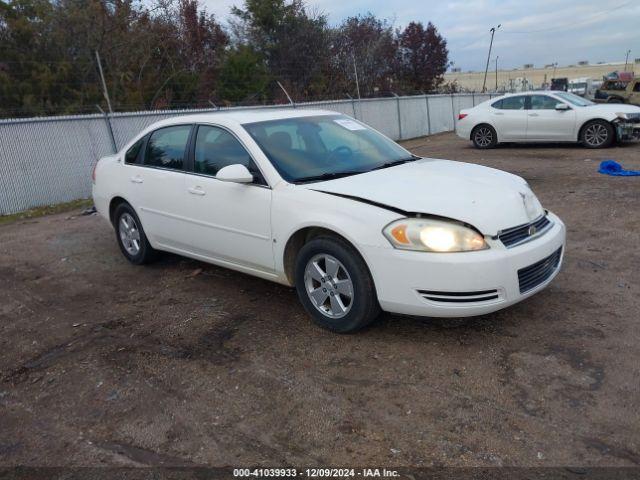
(153, 55)
(293, 43)
(170, 53)
(244, 76)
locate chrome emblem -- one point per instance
(532, 230)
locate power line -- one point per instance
(573, 24)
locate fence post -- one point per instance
(399, 119)
(453, 113)
(109, 129)
(353, 106)
(426, 98)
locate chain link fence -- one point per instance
(45, 161)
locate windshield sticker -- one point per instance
(349, 124)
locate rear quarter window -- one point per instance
(133, 154)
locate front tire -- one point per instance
(130, 235)
(597, 134)
(334, 285)
(484, 137)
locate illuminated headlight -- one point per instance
(433, 236)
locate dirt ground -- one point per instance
(182, 363)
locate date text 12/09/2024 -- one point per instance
(315, 472)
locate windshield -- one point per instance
(574, 99)
(322, 147)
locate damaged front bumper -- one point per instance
(628, 130)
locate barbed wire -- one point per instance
(22, 112)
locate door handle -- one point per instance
(533, 115)
(196, 191)
(498, 113)
(136, 179)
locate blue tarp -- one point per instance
(609, 167)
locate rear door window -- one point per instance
(167, 146)
(511, 103)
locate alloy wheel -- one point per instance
(129, 234)
(596, 135)
(329, 286)
(483, 137)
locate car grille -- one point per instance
(538, 273)
(459, 297)
(517, 235)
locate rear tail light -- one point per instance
(462, 115)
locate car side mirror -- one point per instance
(562, 107)
(236, 173)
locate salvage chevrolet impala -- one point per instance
(322, 202)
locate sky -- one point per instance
(540, 32)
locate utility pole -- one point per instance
(355, 71)
(626, 60)
(555, 65)
(486, 70)
(497, 57)
(105, 92)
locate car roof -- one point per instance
(528, 92)
(249, 115)
(232, 118)
(518, 94)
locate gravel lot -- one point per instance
(182, 363)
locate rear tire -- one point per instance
(130, 235)
(484, 137)
(334, 285)
(597, 134)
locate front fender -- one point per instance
(295, 208)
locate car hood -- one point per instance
(486, 198)
(614, 108)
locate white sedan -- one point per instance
(320, 201)
(548, 117)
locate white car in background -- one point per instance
(320, 201)
(548, 116)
